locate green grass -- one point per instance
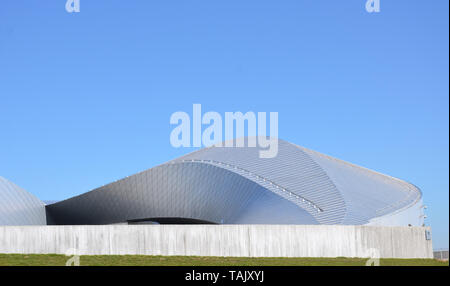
(142, 260)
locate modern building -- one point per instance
(18, 207)
(230, 185)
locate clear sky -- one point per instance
(85, 98)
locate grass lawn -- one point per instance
(142, 260)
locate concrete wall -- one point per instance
(220, 240)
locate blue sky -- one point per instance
(85, 98)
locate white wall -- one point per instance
(220, 240)
(412, 215)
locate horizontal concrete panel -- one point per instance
(220, 240)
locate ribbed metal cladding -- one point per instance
(234, 185)
(368, 194)
(184, 189)
(292, 169)
(18, 207)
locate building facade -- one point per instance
(230, 185)
(18, 207)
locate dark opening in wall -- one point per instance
(168, 220)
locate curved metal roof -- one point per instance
(18, 207)
(234, 185)
(331, 190)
